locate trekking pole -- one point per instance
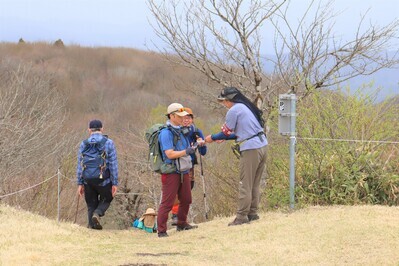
(77, 209)
(58, 195)
(203, 185)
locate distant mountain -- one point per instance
(387, 80)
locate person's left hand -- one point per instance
(114, 189)
(200, 142)
(81, 190)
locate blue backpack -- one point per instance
(94, 167)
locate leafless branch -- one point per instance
(32, 113)
(222, 38)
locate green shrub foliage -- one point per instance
(344, 152)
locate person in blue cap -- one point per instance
(97, 181)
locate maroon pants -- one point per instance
(172, 185)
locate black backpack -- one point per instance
(94, 167)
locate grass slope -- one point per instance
(337, 235)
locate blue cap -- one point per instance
(95, 124)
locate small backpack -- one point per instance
(94, 161)
(155, 157)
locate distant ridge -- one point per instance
(387, 80)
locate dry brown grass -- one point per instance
(338, 235)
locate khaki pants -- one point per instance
(252, 165)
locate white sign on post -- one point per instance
(285, 114)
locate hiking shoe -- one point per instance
(185, 227)
(163, 234)
(96, 222)
(238, 222)
(174, 219)
(253, 217)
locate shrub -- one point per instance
(338, 157)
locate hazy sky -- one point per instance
(124, 23)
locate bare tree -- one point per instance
(311, 56)
(32, 113)
(222, 39)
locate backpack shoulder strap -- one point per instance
(103, 140)
(101, 146)
(176, 135)
(86, 144)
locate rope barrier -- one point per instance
(121, 193)
(351, 140)
(70, 179)
(118, 193)
(22, 190)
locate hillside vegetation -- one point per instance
(122, 87)
(336, 235)
(49, 93)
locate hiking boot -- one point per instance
(163, 234)
(96, 222)
(253, 217)
(238, 222)
(185, 227)
(174, 219)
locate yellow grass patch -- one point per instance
(337, 235)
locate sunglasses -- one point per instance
(179, 110)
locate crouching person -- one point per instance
(97, 173)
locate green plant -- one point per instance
(338, 160)
(338, 157)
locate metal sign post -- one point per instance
(286, 126)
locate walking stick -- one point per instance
(203, 186)
(77, 208)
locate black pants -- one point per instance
(98, 199)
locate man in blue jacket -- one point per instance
(98, 192)
(175, 178)
(194, 136)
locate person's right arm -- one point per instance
(172, 154)
(227, 130)
(79, 171)
(166, 141)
